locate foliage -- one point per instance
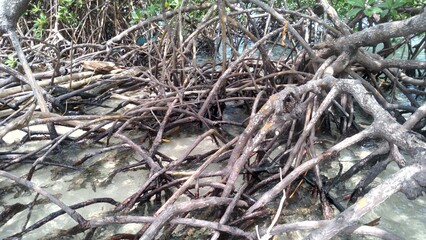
(80, 16)
(66, 15)
(138, 13)
(152, 9)
(178, 79)
(11, 61)
(386, 8)
(41, 22)
(365, 7)
(296, 4)
(173, 4)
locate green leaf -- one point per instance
(353, 12)
(370, 11)
(398, 4)
(376, 10)
(382, 5)
(11, 61)
(389, 4)
(357, 3)
(136, 15)
(384, 12)
(36, 8)
(370, 2)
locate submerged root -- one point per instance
(123, 102)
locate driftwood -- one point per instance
(317, 84)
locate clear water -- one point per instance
(406, 218)
(398, 215)
(70, 187)
(90, 182)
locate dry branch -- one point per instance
(245, 64)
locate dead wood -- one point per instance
(285, 79)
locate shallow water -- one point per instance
(70, 187)
(91, 181)
(398, 215)
(406, 218)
